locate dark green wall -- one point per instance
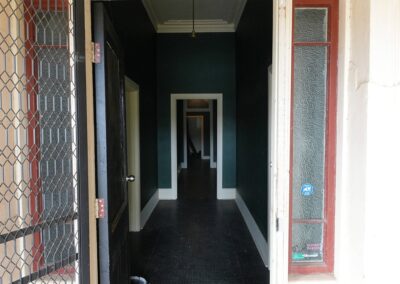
(139, 41)
(205, 64)
(254, 55)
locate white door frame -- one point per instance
(213, 164)
(280, 151)
(184, 164)
(173, 192)
(133, 137)
(210, 109)
(202, 132)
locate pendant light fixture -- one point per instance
(193, 30)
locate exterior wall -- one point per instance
(368, 195)
(382, 248)
(354, 40)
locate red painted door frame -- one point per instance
(330, 153)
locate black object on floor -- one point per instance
(197, 239)
(138, 280)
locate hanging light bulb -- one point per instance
(193, 30)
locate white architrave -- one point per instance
(132, 98)
(213, 164)
(210, 108)
(184, 164)
(201, 118)
(172, 193)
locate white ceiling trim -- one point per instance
(201, 26)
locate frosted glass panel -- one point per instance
(309, 120)
(307, 243)
(311, 24)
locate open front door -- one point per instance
(279, 132)
(111, 152)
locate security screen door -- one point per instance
(42, 143)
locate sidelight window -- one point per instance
(313, 136)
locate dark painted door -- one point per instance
(111, 151)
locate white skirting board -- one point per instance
(167, 194)
(226, 194)
(148, 209)
(255, 232)
(171, 194)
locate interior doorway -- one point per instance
(132, 112)
(195, 136)
(217, 150)
(196, 130)
(198, 109)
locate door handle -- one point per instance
(130, 178)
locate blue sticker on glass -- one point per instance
(307, 189)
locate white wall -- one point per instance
(383, 145)
(351, 146)
(367, 248)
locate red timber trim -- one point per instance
(49, 5)
(327, 266)
(36, 205)
(32, 88)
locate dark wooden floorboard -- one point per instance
(196, 239)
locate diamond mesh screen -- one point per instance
(38, 149)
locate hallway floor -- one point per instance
(197, 239)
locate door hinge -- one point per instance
(277, 224)
(100, 209)
(96, 52)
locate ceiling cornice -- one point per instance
(150, 11)
(201, 26)
(238, 12)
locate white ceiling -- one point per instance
(174, 16)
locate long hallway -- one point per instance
(196, 239)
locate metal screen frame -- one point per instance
(83, 188)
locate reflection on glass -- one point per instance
(307, 243)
